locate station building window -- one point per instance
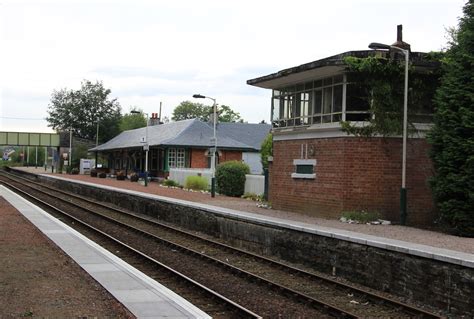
(176, 158)
(329, 100)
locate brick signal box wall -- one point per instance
(354, 174)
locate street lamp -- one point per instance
(403, 190)
(146, 147)
(213, 159)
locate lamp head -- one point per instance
(135, 112)
(379, 46)
(199, 96)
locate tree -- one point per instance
(452, 136)
(189, 110)
(266, 150)
(82, 109)
(131, 121)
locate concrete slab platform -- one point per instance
(143, 296)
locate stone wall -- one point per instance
(353, 174)
(441, 285)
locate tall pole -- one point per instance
(403, 190)
(147, 146)
(214, 150)
(213, 164)
(70, 147)
(36, 156)
(97, 134)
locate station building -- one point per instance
(319, 169)
(184, 144)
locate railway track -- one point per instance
(319, 292)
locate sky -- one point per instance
(149, 52)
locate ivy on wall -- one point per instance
(383, 84)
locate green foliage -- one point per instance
(197, 183)
(266, 150)
(230, 178)
(452, 136)
(190, 110)
(361, 216)
(382, 81)
(131, 121)
(82, 109)
(170, 183)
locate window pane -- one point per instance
(327, 119)
(327, 81)
(304, 169)
(276, 93)
(275, 109)
(357, 98)
(338, 79)
(337, 98)
(316, 119)
(318, 97)
(327, 100)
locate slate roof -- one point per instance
(192, 133)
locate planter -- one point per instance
(134, 178)
(102, 175)
(93, 173)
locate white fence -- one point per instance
(253, 183)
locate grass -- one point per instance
(197, 183)
(253, 196)
(361, 216)
(170, 183)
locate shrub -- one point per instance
(102, 175)
(198, 183)
(170, 183)
(93, 173)
(266, 150)
(75, 171)
(134, 177)
(230, 178)
(120, 176)
(361, 216)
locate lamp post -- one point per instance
(403, 190)
(146, 147)
(97, 143)
(213, 159)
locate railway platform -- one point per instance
(141, 295)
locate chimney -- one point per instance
(400, 43)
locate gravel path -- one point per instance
(410, 234)
(39, 280)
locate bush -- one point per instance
(134, 177)
(230, 178)
(198, 183)
(170, 183)
(75, 171)
(102, 175)
(120, 176)
(93, 173)
(361, 216)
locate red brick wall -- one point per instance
(353, 173)
(199, 160)
(230, 156)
